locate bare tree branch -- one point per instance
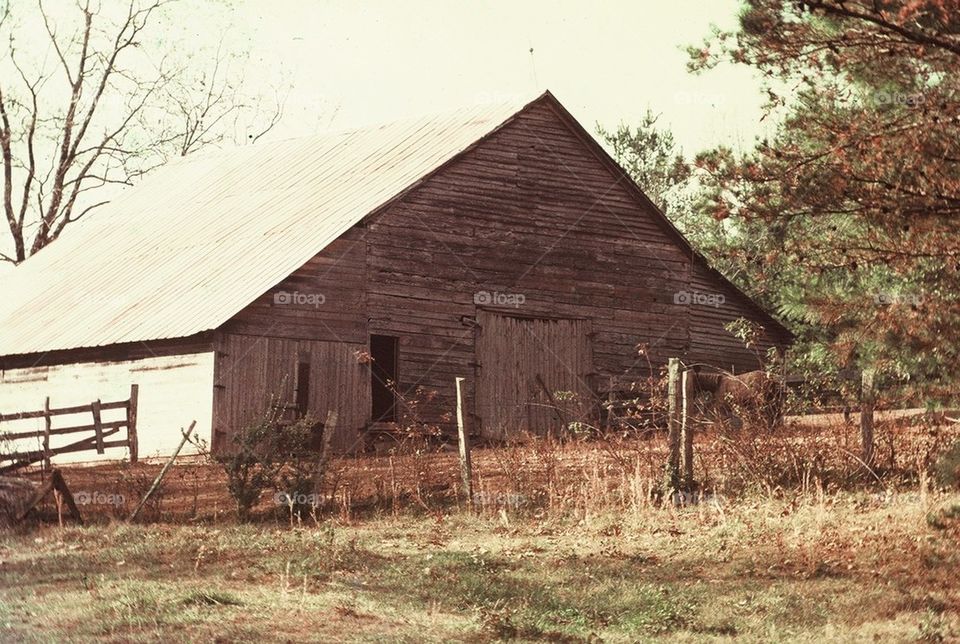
(89, 118)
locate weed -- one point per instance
(210, 598)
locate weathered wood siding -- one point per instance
(323, 300)
(709, 342)
(252, 373)
(320, 310)
(174, 390)
(529, 212)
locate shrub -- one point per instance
(947, 467)
(301, 467)
(269, 454)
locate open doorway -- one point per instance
(383, 374)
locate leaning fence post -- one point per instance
(132, 422)
(673, 434)
(867, 404)
(466, 468)
(163, 472)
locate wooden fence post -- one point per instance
(867, 404)
(97, 425)
(673, 434)
(320, 470)
(163, 472)
(132, 422)
(466, 467)
(686, 430)
(46, 433)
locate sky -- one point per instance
(355, 63)
(343, 64)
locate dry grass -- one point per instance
(839, 567)
(790, 540)
(550, 479)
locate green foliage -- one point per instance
(934, 627)
(211, 598)
(652, 158)
(747, 331)
(944, 517)
(270, 454)
(847, 216)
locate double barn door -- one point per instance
(533, 375)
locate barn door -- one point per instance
(532, 375)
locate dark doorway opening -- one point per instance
(383, 374)
(302, 401)
(303, 387)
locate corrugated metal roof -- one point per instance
(197, 241)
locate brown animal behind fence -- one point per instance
(751, 396)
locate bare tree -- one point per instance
(99, 108)
(208, 106)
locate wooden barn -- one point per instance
(364, 271)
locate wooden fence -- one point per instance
(99, 432)
(680, 429)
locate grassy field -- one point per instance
(793, 541)
(814, 568)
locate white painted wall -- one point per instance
(174, 390)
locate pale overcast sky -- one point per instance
(350, 63)
(353, 63)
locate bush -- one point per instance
(297, 477)
(947, 468)
(269, 454)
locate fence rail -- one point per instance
(100, 431)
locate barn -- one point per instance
(364, 271)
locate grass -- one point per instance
(811, 567)
(573, 542)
